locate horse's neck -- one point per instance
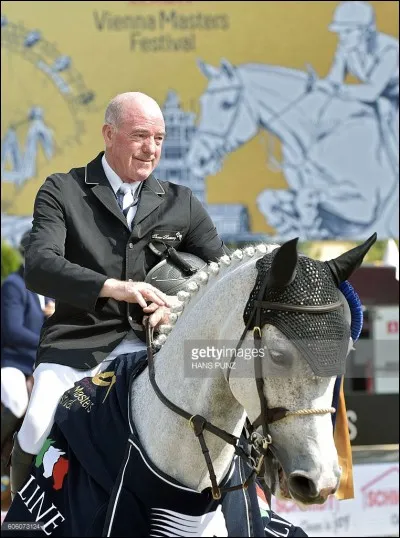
(167, 438)
(282, 104)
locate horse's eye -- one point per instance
(226, 105)
(277, 356)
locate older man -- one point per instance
(91, 246)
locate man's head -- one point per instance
(353, 22)
(133, 132)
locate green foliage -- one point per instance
(10, 259)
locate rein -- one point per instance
(260, 443)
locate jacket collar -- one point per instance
(151, 196)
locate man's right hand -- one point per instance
(134, 292)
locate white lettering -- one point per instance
(25, 487)
(51, 522)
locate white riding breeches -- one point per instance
(50, 383)
(14, 393)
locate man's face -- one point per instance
(134, 147)
(350, 37)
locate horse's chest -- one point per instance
(157, 502)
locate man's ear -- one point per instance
(108, 133)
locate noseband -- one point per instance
(259, 443)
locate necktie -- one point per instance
(127, 202)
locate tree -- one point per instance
(10, 259)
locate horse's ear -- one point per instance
(208, 70)
(283, 268)
(227, 68)
(345, 264)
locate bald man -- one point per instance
(91, 246)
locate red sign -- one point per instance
(380, 491)
(393, 327)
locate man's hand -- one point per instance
(134, 292)
(159, 315)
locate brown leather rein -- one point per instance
(260, 443)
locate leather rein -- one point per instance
(259, 443)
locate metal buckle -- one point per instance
(216, 493)
(257, 440)
(191, 422)
(257, 329)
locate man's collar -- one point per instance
(114, 179)
(95, 174)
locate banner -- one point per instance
(373, 512)
(373, 418)
(281, 117)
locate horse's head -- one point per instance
(307, 330)
(227, 119)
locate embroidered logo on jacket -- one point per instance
(54, 465)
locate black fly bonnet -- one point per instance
(321, 337)
(300, 297)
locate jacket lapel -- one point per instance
(151, 197)
(101, 188)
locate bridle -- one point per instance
(259, 443)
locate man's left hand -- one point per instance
(159, 315)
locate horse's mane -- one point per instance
(204, 280)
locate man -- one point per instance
(373, 58)
(91, 246)
(22, 315)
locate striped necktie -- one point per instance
(127, 202)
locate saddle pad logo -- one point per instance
(103, 380)
(55, 466)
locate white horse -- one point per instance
(340, 165)
(291, 328)
(211, 313)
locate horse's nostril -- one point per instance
(302, 485)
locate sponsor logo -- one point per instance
(383, 490)
(83, 394)
(105, 379)
(167, 236)
(55, 466)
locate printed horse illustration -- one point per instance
(291, 328)
(341, 166)
(23, 162)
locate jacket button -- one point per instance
(130, 245)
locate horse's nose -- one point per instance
(302, 485)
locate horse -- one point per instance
(339, 157)
(290, 329)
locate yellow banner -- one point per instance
(254, 150)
